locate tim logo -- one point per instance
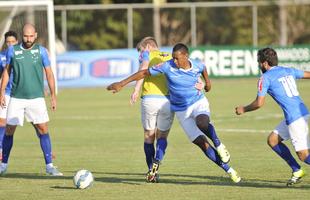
(111, 67)
(69, 70)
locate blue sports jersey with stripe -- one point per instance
(3, 65)
(279, 83)
(181, 83)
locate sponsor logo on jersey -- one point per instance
(18, 52)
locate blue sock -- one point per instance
(46, 147)
(2, 131)
(6, 147)
(212, 155)
(286, 155)
(149, 151)
(307, 160)
(213, 136)
(161, 146)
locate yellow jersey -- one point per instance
(155, 85)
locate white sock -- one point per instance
(49, 165)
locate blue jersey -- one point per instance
(181, 83)
(3, 65)
(279, 83)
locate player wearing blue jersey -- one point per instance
(189, 104)
(279, 83)
(10, 39)
(28, 61)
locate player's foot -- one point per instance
(234, 176)
(53, 171)
(223, 153)
(3, 168)
(152, 176)
(296, 177)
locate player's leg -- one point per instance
(299, 134)
(201, 113)
(15, 116)
(198, 138)
(3, 113)
(36, 113)
(164, 123)
(275, 139)
(148, 119)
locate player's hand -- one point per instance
(53, 103)
(239, 110)
(115, 87)
(2, 101)
(134, 97)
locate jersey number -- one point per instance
(289, 85)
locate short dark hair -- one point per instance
(180, 47)
(10, 34)
(268, 54)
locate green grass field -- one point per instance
(101, 132)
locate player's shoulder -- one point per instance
(197, 63)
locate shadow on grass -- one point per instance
(180, 179)
(185, 179)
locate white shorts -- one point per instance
(34, 110)
(298, 132)
(188, 116)
(156, 113)
(4, 110)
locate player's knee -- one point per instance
(201, 142)
(41, 128)
(303, 154)
(273, 139)
(10, 130)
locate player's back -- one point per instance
(283, 89)
(156, 85)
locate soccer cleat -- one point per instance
(223, 153)
(3, 168)
(53, 171)
(296, 177)
(234, 176)
(152, 176)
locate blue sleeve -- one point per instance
(297, 73)
(158, 69)
(9, 55)
(144, 56)
(44, 55)
(263, 86)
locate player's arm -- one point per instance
(207, 80)
(306, 75)
(49, 76)
(51, 84)
(256, 104)
(134, 96)
(117, 86)
(4, 82)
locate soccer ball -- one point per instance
(83, 179)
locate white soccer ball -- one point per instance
(83, 179)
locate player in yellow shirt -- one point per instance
(156, 116)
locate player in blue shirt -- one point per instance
(279, 83)
(10, 38)
(190, 105)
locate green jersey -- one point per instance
(27, 66)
